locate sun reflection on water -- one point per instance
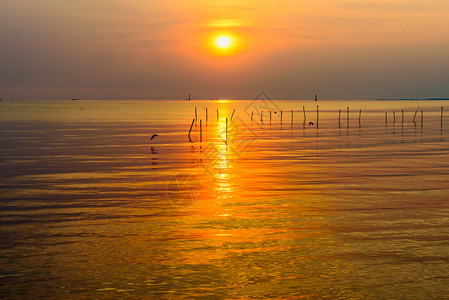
(223, 164)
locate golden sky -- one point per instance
(157, 49)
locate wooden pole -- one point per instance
(347, 117)
(415, 116)
(252, 116)
(201, 132)
(261, 116)
(386, 118)
(193, 121)
(394, 117)
(217, 114)
(304, 111)
(270, 117)
(281, 116)
(360, 117)
(402, 121)
(206, 114)
(442, 108)
(339, 115)
(226, 130)
(196, 116)
(292, 116)
(317, 115)
(232, 114)
(422, 116)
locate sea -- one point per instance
(222, 199)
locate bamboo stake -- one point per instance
(292, 116)
(193, 121)
(201, 132)
(360, 117)
(415, 116)
(339, 115)
(270, 117)
(317, 115)
(402, 121)
(206, 114)
(386, 118)
(252, 116)
(226, 130)
(394, 117)
(422, 116)
(442, 108)
(281, 116)
(347, 117)
(261, 116)
(217, 115)
(304, 111)
(196, 116)
(232, 114)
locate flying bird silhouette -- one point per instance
(154, 135)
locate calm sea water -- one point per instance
(92, 208)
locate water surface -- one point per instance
(92, 208)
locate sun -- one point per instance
(223, 42)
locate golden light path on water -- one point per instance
(92, 208)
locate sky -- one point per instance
(154, 49)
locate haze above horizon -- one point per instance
(340, 49)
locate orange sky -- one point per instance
(165, 49)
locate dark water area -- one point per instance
(90, 207)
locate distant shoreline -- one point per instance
(406, 99)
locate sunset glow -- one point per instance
(156, 50)
(224, 149)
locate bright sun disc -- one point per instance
(223, 41)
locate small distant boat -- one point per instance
(75, 98)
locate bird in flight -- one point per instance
(154, 135)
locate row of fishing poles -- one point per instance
(201, 126)
(305, 118)
(414, 117)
